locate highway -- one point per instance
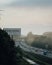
(35, 50)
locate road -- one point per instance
(35, 50)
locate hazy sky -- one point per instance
(30, 15)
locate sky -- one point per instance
(30, 15)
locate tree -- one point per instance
(7, 49)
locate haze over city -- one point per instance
(29, 15)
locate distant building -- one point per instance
(48, 34)
(15, 33)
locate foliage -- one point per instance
(43, 42)
(7, 49)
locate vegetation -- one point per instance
(7, 49)
(9, 54)
(43, 42)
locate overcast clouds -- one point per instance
(30, 15)
(26, 2)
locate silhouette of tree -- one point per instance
(7, 49)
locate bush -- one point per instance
(7, 49)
